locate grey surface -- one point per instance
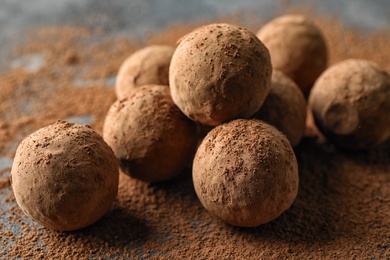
(137, 18)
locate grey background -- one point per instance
(137, 18)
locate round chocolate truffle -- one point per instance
(285, 108)
(149, 65)
(152, 139)
(297, 48)
(245, 172)
(350, 103)
(219, 72)
(64, 176)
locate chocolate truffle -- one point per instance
(219, 72)
(64, 176)
(245, 172)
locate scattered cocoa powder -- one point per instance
(5, 180)
(343, 206)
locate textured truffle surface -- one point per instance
(152, 139)
(149, 65)
(285, 108)
(219, 72)
(350, 103)
(64, 176)
(245, 172)
(297, 48)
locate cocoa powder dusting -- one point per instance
(343, 206)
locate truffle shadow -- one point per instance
(181, 185)
(317, 213)
(375, 157)
(116, 229)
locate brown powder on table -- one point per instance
(342, 209)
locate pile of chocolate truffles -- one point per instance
(226, 102)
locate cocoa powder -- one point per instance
(343, 206)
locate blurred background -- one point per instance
(138, 18)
